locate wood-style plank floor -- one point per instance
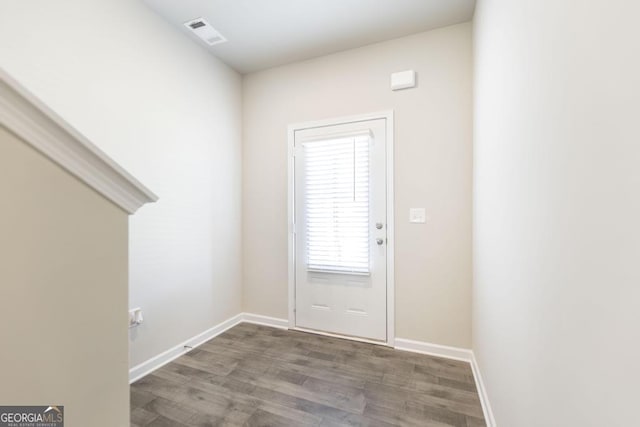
(259, 376)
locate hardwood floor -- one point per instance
(258, 376)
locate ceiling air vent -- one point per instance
(205, 31)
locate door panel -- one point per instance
(340, 229)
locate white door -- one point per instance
(340, 229)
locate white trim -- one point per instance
(258, 319)
(337, 135)
(389, 118)
(28, 118)
(482, 393)
(291, 215)
(455, 353)
(342, 120)
(391, 243)
(145, 368)
(344, 337)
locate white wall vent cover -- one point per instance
(201, 28)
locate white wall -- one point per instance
(168, 112)
(433, 170)
(556, 210)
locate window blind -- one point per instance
(336, 179)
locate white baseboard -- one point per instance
(156, 362)
(265, 320)
(455, 353)
(438, 350)
(173, 353)
(482, 393)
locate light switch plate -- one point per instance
(417, 215)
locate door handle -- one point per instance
(379, 241)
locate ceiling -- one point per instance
(266, 33)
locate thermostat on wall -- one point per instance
(403, 80)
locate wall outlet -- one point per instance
(135, 317)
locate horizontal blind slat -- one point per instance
(336, 204)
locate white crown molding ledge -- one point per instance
(31, 120)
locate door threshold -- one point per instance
(344, 337)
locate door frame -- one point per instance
(390, 279)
